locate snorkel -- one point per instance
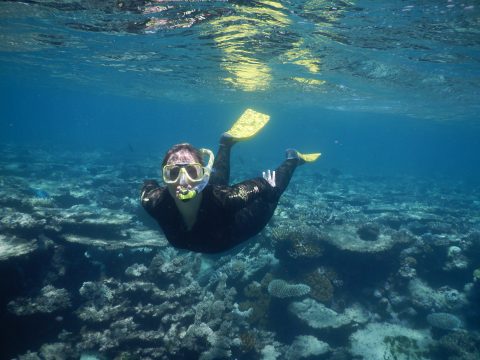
(187, 192)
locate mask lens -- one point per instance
(194, 171)
(173, 172)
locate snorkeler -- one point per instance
(198, 210)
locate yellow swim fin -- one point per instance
(248, 125)
(309, 157)
(294, 154)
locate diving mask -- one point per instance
(195, 174)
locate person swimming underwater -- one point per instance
(198, 210)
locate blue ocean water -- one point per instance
(354, 142)
(95, 92)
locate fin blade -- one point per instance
(309, 157)
(248, 124)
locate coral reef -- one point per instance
(296, 243)
(353, 267)
(258, 300)
(270, 353)
(12, 246)
(389, 341)
(305, 346)
(318, 316)
(347, 239)
(442, 299)
(320, 282)
(459, 345)
(49, 300)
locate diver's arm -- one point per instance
(242, 194)
(152, 194)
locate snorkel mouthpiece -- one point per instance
(186, 194)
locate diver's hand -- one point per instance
(270, 177)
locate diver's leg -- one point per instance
(221, 165)
(246, 127)
(250, 220)
(284, 173)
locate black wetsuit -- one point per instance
(227, 216)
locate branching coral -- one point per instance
(48, 301)
(258, 301)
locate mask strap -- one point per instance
(208, 170)
(211, 159)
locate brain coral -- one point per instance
(444, 321)
(281, 289)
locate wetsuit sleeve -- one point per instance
(242, 194)
(152, 194)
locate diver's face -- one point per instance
(182, 182)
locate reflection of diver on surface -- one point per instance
(198, 210)
(129, 16)
(146, 16)
(251, 36)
